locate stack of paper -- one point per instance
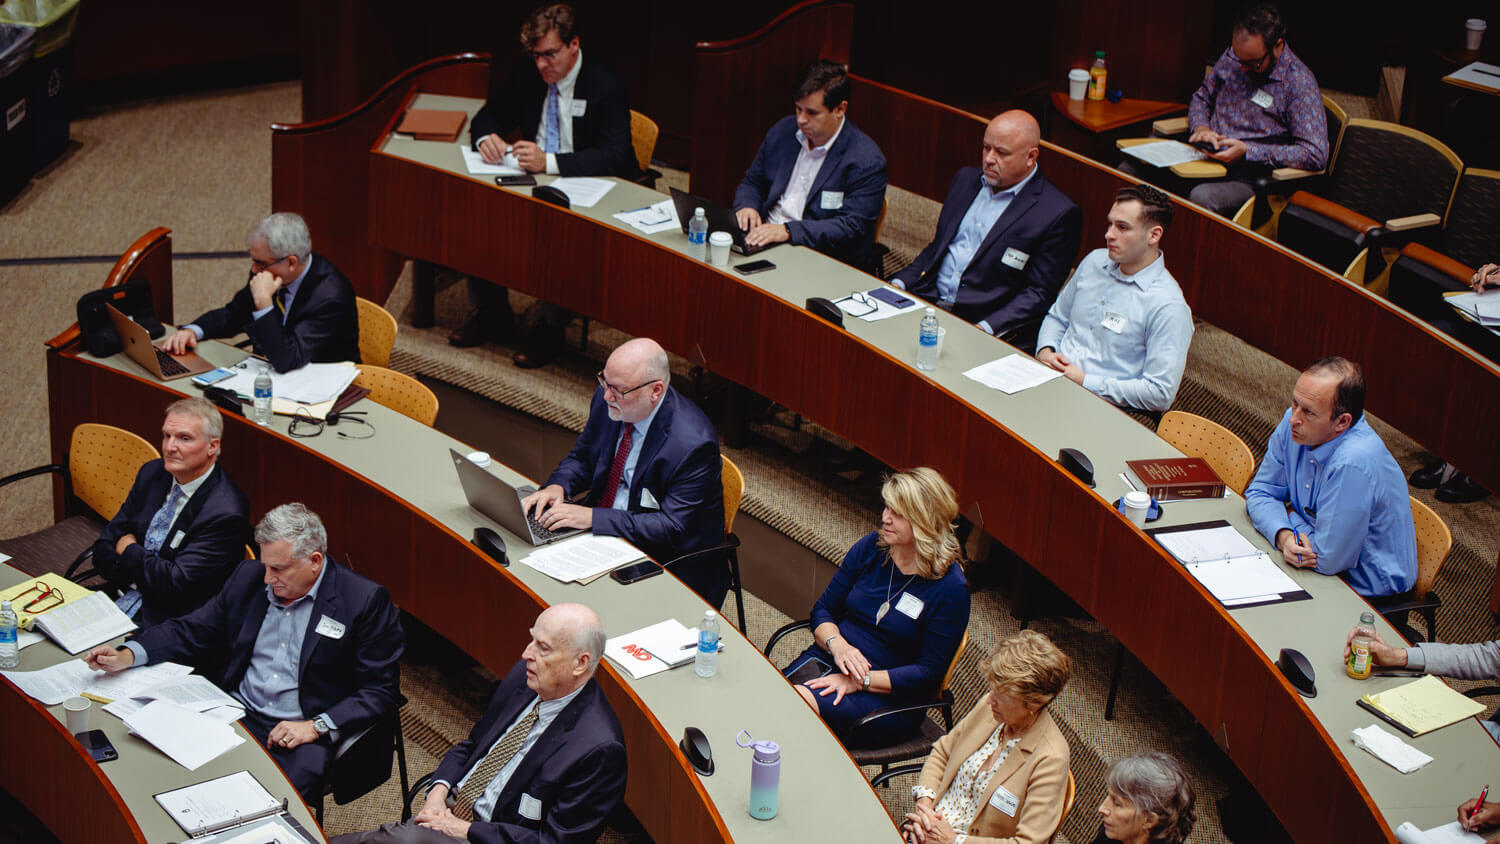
(54, 684)
(582, 557)
(1389, 749)
(82, 624)
(1448, 833)
(653, 219)
(1483, 308)
(1485, 77)
(132, 681)
(1421, 706)
(316, 382)
(1012, 374)
(581, 192)
(193, 692)
(191, 739)
(1164, 153)
(651, 650)
(217, 803)
(475, 163)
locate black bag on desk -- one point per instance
(133, 299)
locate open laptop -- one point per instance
(138, 345)
(720, 219)
(502, 502)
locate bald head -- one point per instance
(567, 642)
(1010, 148)
(636, 378)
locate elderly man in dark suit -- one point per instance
(546, 762)
(184, 525)
(309, 647)
(817, 180)
(297, 307)
(650, 461)
(1005, 239)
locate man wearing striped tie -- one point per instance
(546, 762)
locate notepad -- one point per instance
(33, 599)
(1448, 833)
(1421, 706)
(218, 803)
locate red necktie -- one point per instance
(616, 469)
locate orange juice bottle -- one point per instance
(1097, 75)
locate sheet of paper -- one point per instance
(190, 739)
(54, 684)
(1243, 579)
(669, 641)
(475, 164)
(1165, 153)
(192, 691)
(1425, 705)
(653, 219)
(1216, 543)
(81, 624)
(634, 659)
(1012, 374)
(133, 681)
(216, 802)
(1389, 748)
(316, 382)
(273, 830)
(582, 557)
(583, 192)
(1477, 73)
(26, 638)
(1484, 306)
(1448, 833)
(883, 310)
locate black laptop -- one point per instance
(720, 219)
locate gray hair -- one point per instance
(204, 410)
(589, 639)
(284, 233)
(657, 367)
(1155, 782)
(296, 524)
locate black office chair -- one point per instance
(362, 762)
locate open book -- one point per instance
(79, 625)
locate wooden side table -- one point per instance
(1091, 127)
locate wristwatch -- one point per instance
(867, 682)
(322, 727)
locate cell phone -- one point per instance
(211, 377)
(98, 746)
(891, 297)
(638, 571)
(812, 669)
(1206, 146)
(754, 267)
(515, 181)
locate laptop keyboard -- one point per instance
(539, 533)
(169, 365)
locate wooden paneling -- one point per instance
(1155, 49)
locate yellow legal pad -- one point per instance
(1421, 706)
(70, 592)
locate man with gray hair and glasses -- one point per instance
(308, 646)
(297, 307)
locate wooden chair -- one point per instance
(643, 134)
(1196, 436)
(401, 393)
(1434, 541)
(377, 333)
(1068, 797)
(734, 490)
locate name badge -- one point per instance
(1015, 259)
(579, 107)
(1113, 322)
(530, 808)
(833, 200)
(1262, 99)
(1005, 801)
(177, 539)
(909, 605)
(330, 628)
(648, 500)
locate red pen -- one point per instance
(1484, 792)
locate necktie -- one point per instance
(156, 532)
(616, 469)
(493, 763)
(554, 121)
(279, 300)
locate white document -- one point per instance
(476, 165)
(81, 624)
(634, 659)
(653, 219)
(1215, 543)
(216, 802)
(1012, 374)
(192, 691)
(1389, 749)
(1243, 580)
(54, 684)
(582, 557)
(25, 638)
(1165, 153)
(668, 641)
(316, 382)
(272, 830)
(1477, 73)
(883, 310)
(1483, 306)
(133, 681)
(583, 192)
(1448, 833)
(189, 738)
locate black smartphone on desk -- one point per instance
(98, 746)
(515, 181)
(752, 267)
(638, 571)
(892, 298)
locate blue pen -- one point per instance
(1297, 536)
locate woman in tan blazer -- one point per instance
(1002, 773)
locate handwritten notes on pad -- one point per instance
(1421, 706)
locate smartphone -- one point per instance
(98, 746)
(1206, 146)
(754, 267)
(515, 181)
(211, 377)
(812, 669)
(638, 571)
(891, 297)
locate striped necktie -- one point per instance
(493, 763)
(616, 469)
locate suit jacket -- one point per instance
(1036, 772)
(179, 577)
(1041, 222)
(854, 167)
(322, 325)
(576, 768)
(601, 135)
(355, 678)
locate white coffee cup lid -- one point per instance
(1475, 23)
(479, 458)
(1137, 499)
(1078, 74)
(720, 238)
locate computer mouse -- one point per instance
(491, 544)
(695, 747)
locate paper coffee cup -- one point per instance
(1474, 32)
(479, 458)
(76, 714)
(1078, 83)
(718, 248)
(1137, 505)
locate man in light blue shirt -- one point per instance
(1120, 327)
(1328, 494)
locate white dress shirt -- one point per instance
(804, 173)
(564, 115)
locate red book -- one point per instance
(1177, 478)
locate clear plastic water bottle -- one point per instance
(10, 651)
(698, 235)
(262, 409)
(706, 660)
(927, 341)
(1359, 664)
(765, 775)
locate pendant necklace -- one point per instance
(886, 607)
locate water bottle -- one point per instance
(698, 235)
(262, 409)
(1359, 663)
(927, 341)
(765, 775)
(10, 651)
(706, 660)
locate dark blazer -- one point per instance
(854, 167)
(576, 769)
(1041, 222)
(354, 678)
(322, 325)
(185, 572)
(601, 135)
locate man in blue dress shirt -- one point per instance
(1328, 494)
(1120, 327)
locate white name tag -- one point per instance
(1262, 99)
(579, 107)
(833, 200)
(330, 628)
(909, 605)
(1114, 322)
(530, 808)
(648, 500)
(177, 539)
(1015, 259)
(1004, 801)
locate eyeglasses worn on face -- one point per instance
(260, 267)
(545, 55)
(619, 393)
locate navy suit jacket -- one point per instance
(322, 325)
(185, 572)
(1041, 222)
(601, 135)
(854, 167)
(576, 769)
(355, 678)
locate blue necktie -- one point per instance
(156, 533)
(554, 127)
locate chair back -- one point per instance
(643, 134)
(885, 205)
(1337, 119)
(734, 490)
(1472, 234)
(1069, 796)
(1434, 541)
(1196, 436)
(102, 463)
(377, 332)
(957, 655)
(1386, 170)
(401, 393)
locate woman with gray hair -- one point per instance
(1150, 800)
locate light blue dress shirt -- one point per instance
(1129, 334)
(638, 439)
(286, 300)
(986, 208)
(1348, 499)
(484, 807)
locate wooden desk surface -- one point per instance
(1105, 116)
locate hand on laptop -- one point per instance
(767, 233)
(543, 500)
(748, 218)
(180, 343)
(564, 515)
(529, 156)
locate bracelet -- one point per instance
(828, 645)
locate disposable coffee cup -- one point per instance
(76, 714)
(479, 458)
(1137, 504)
(1474, 32)
(1078, 83)
(718, 248)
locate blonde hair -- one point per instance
(1028, 666)
(925, 500)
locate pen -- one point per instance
(688, 647)
(1297, 536)
(633, 210)
(1482, 794)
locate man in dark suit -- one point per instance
(310, 647)
(184, 525)
(817, 180)
(1005, 238)
(572, 120)
(297, 307)
(649, 459)
(546, 762)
